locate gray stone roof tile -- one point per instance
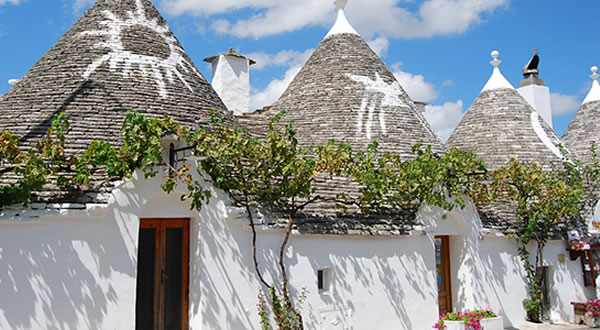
(119, 56)
(583, 131)
(346, 93)
(499, 126)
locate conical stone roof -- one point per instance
(120, 55)
(345, 92)
(583, 131)
(499, 126)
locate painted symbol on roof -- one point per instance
(143, 43)
(377, 95)
(541, 133)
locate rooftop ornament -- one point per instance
(594, 94)
(531, 72)
(532, 66)
(341, 24)
(497, 80)
(340, 4)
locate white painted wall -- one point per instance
(566, 282)
(231, 81)
(68, 274)
(539, 98)
(73, 272)
(487, 271)
(375, 281)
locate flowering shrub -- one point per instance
(472, 319)
(592, 308)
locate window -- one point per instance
(324, 280)
(590, 266)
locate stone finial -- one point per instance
(495, 62)
(595, 74)
(341, 25)
(497, 80)
(340, 4)
(594, 94)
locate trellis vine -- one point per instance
(275, 172)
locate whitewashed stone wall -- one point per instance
(75, 271)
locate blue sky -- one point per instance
(438, 49)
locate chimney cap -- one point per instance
(230, 52)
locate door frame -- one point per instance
(446, 277)
(161, 224)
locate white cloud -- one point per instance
(293, 59)
(78, 5)
(283, 58)
(14, 2)
(380, 45)
(444, 118)
(415, 85)
(448, 83)
(285, 16)
(382, 17)
(563, 104)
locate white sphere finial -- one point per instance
(495, 62)
(340, 4)
(595, 74)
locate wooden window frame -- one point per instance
(588, 261)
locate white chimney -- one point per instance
(231, 80)
(421, 106)
(533, 90)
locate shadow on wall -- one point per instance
(223, 283)
(57, 274)
(368, 273)
(489, 272)
(565, 283)
(380, 272)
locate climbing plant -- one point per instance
(391, 182)
(25, 170)
(275, 173)
(543, 198)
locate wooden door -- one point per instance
(162, 281)
(442, 257)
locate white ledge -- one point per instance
(34, 212)
(492, 232)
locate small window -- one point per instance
(589, 264)
(324, 280)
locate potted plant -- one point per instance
(592, 313)
(479, 319)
